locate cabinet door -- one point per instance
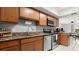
(27, 47)
(24, 12)
(57, 23)
(13, 48)
(9, 14)
(32, 44)
(39, 45)
(0, 13)
(34, 15)
(43, 19)
(29, 13)
(63, 39)
(8, 44)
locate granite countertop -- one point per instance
(14, 37)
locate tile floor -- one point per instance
(74, 46)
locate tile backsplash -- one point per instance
(40, 28)
(23, 26)
(20, 27)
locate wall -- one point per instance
(65, 22)
(40, 28)
(20, 27)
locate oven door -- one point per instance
(54, 41)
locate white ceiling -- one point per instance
(59, 11)
(62, 11)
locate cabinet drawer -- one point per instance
(13, 48)
(8, 44)
(30, 39)
(27, 47)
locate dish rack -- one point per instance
(5, 33)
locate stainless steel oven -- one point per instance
(54, 41)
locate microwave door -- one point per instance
(50, 23)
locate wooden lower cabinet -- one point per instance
(10, 45)
(38, 45)
(32, 44)
(27, 47)
(28, 44)
(63, 39)
(13, 48)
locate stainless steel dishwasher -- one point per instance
(47, 43)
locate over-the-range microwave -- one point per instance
(50, 23)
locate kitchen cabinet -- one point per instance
(9, 46)
(29, 13)
(9, 14)
(13, 48)
(32, 44)
(56, 22)
(39, 45)
(27, 44)
(63, 39)
(43, 19)
(0, 13)
(27, 47)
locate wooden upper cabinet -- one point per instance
(24, 12)
(0, 13)
(56, 22)
(29, 13)
(9, 14)
(43, 19)
(34, 15)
